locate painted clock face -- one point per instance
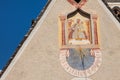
(80, 59)
(81, 63)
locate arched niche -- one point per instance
(79, 28)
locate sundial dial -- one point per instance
(80, 53)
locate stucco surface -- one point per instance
(40, 59)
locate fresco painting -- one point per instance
(80, 53)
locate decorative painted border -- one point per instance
(94, 30)
(77, 5)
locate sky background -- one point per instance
(15, 21)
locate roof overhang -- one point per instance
(113, 4)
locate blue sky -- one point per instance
(15, 21)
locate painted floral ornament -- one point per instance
(77, 3)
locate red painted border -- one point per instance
(77, 5)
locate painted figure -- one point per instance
(77, 33)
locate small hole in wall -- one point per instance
(77, 1)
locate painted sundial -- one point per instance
(80, 53)
(80, 59)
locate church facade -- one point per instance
(70, 40)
